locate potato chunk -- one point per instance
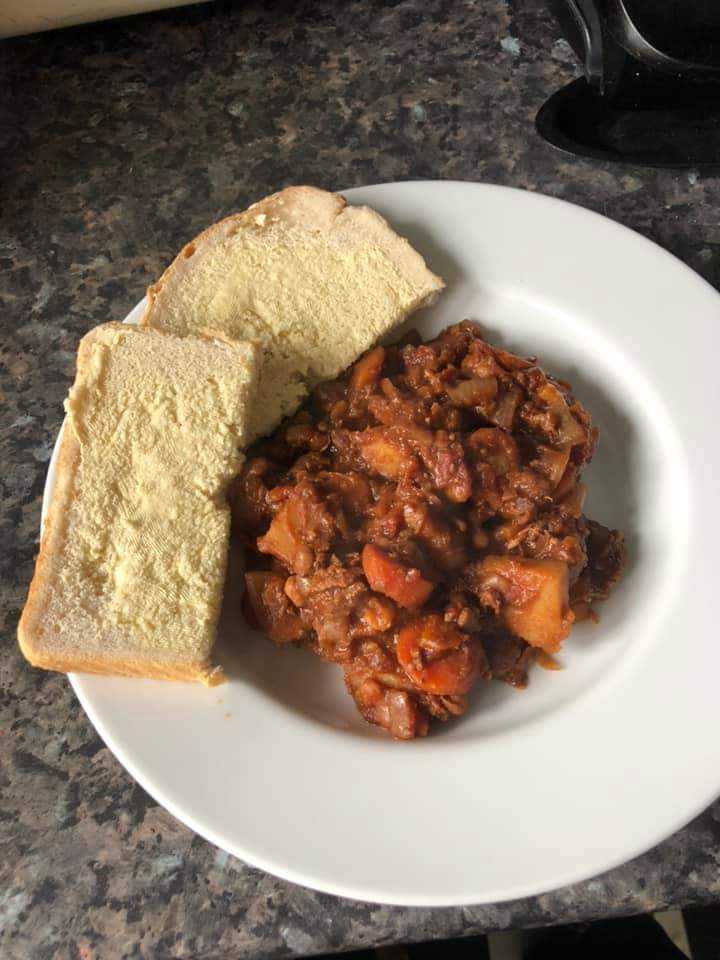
(271, 608)
(535, 598)
(367, 370)
(301, 529)
(384, 454)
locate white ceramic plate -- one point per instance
(587, 767)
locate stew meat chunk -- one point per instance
(420, 522)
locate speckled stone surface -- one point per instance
(118, 143)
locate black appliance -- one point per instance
(650, 93)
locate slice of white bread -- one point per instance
(316, 282)
(131, 568)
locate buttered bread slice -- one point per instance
(316, 282)
(131, 568)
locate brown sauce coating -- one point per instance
(420, 522)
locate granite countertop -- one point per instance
(119, 142)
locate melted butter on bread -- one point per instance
(314, 281)
(158, 422)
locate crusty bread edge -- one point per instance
(190, 247)
(188, 250)
(56, 522)
(51, 543)
(270, 204)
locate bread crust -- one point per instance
(51, 541)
